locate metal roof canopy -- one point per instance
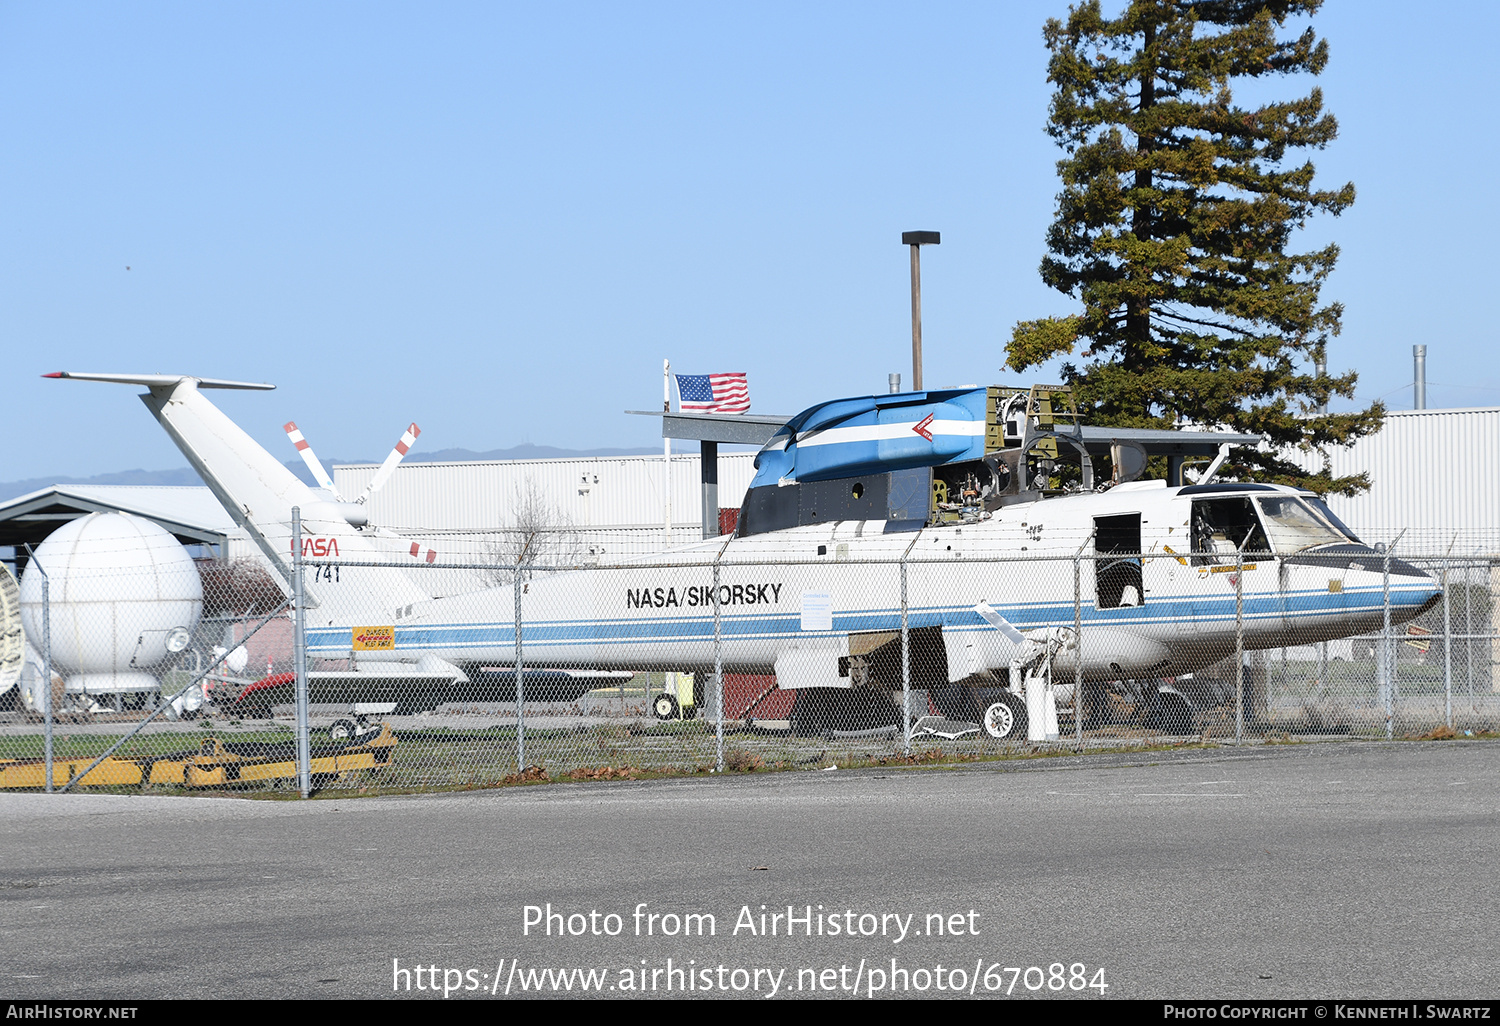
(731, 429)
(709, 429)
(29, 519)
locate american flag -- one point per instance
(714, 393)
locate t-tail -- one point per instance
(260, 494)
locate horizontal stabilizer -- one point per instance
(159, 380)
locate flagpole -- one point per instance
(666, 445)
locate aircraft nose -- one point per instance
(1401, 568)
(1413, 592)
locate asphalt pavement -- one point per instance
(1340, 870)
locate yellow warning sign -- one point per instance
(374, 639)
(1418, 637)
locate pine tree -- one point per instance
(1176, 213)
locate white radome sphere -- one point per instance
(118, 587)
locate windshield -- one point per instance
(1321, 508)
(1293, 526)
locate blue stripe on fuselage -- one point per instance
(1206, 609)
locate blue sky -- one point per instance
(497, 220)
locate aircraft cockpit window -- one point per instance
(1321, 509)
(1294, 526)
(1222, 526)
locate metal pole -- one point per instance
(1419, 377)
(916, 318)
(1388, 671)
(520, 679)
(46, 669)
(906, 652)
(1388, 655)
(1078, 644)
(1239, 644)
(1469, 635)
(905, 663)
(666, 455)
(1447, 651)
(1385, 648)
(718, 670)
(708, 478)
(299, 656)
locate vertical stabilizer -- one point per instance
(259, 492)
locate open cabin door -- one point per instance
(1118, 583)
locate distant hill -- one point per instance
(182, 476)
(187, 476)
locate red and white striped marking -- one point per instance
(304, 449)
(423, 553)
(408, 439)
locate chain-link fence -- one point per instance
(538, 658)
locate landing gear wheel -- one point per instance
(1171, 714)
(1005, 718)
(342, 730)
(665, 707)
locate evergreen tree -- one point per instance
(1176, 212)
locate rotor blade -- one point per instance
(313, 463)
(389, 466)
(999, 622)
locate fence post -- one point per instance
(1078, 644)
(1239, 644)
(905, 664)
(718, 668)
(1387, 654)
(906, 650)
(1469, 633)
(299, 656)
(1447, 650)
(1382, 662)
(517, 585)
(46, 668)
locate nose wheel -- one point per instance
(665, 707)
(1005, 718)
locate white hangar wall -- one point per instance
(609, 504)
(1433, 473)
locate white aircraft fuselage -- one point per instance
(1156, 581)
(658, 612)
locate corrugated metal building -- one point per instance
(1434, 474)
(609, 504)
